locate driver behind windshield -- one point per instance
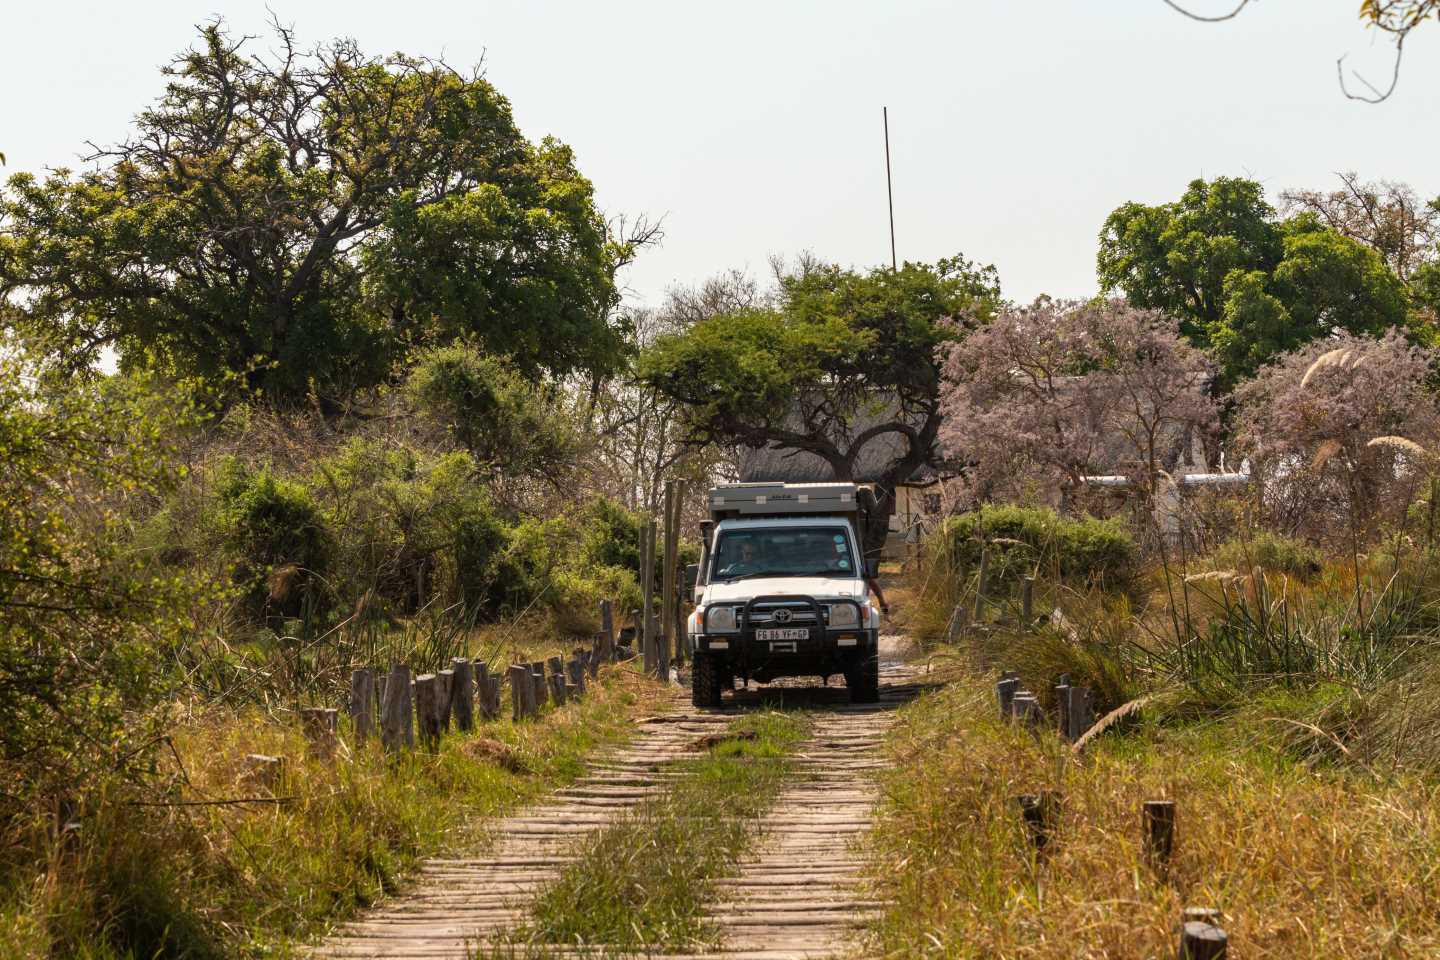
(746, 563)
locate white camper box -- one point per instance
(777, 499)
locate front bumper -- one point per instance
(821, 641)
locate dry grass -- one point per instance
(1304, 862)
(245, 880)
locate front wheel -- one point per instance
(863, 680)
(706, 673)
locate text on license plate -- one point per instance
(792, 633)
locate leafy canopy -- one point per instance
(840, 359)
(304, 218)
(1244, 283)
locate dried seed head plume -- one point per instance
(1220, 576)
(1402, 444)
(1323, 453)
(1324, 360)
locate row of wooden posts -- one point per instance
(662, 632)
(405, 711)
(1201, 937)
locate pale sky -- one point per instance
(755, 128)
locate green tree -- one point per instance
(84, 622)
(304, 218)
(1175, 257)
(1244, 283)
(841, 360)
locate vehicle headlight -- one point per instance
(845, 616)
(720, 618)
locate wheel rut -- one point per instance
(800, 892)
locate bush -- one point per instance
(283, 547)
(508, 422)
(1272, 553)
(85, 622)
(1026, 539)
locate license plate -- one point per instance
(793, 633)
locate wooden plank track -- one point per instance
(458, 902)
(800, 893)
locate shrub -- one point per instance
(1025, 539)
(1272, 553)
(282, 544)
(507, 421)
(84, 620)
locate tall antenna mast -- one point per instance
(889, 191)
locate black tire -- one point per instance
(706, 676)
(863, 680)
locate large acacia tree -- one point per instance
(304, 217)
(836, 361)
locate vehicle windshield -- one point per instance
(783, 552)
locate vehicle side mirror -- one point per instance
(872, 569)
(692, 575)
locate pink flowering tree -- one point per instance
(1059, 390)
(1340, 432)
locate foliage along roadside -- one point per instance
(248, 880)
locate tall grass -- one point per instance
(1336, 865)
(167, 876)
(1236, 633)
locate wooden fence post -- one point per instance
(980, 583)
(1062, 708)
(320, 725)
(444, 691)
(1202, 941)
(557, 688)
(396, 729)
(607, 626)
(1081, 712)
(462, 695)
(362, 703)
(1040, 812)
(1005, 689)
(1158, 826)
(265, 771)
(427, 710)
(647, 586)
(1027, 602)
(537, 679)
(520, 688)
(1026, 708)
(489, 710)
(667, 583)
(576, 671)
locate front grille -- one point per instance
(801, 614)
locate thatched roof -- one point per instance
(797, 466)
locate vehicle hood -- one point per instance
(828, 588)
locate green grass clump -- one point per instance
(642, 881)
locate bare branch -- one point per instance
(1377, 95)
(1203, 19)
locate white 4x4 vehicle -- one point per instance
(783, 590)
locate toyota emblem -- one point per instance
(782, 615)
